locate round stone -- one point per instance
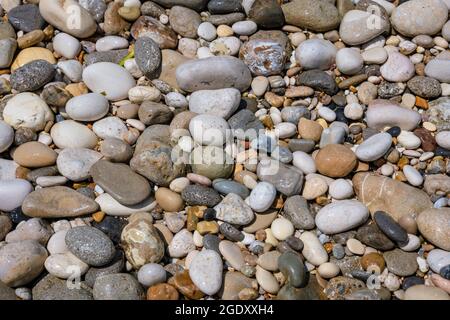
(328, 270)
(13, 193)
(433, 225)
(151, 274)
(34, 155)
(66, 45)
(340, 189)
(316, 54)
(262, 196)
(335, 160)
(209, 130)
(282, 228)
(169, 200)
(6, 136)
(90, 245)
(349, 61)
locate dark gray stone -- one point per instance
(90, 245)
(304, 145)
(230, 232)
(26, 17)
(245, 125)
(96, 8)
(32, 76)
(391, 228)
(115, 266)
(296, 210)
(373, 237)
(193, 4)
(425, 87)
(224, 6)
(196, 195)
(401, 263)
(229, 186)
(148, 57)
(292, 267)
(318, 80)
(267, 14)
(227, 19)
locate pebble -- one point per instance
(292, 267)
(87, 107)
(431, 224)
(316, 54)
(401, 263)
(403, 22)
(98, 78)
(349, 61)
(262, 196)
(53, 288)
(374, 147)
(148, 56)
(21, 262)
(313, 251)
(151, 274)
(118, 286)
(397, 68)
(335, 161)
(13, 193)
(322, 16)
(32, 229)
(232, 254)
(383, 113)
(181, 244)
(234, 210)
(66, 45)
(329, 219)
(32, 76)
(62, 265)
(355, 29)
(409, 140)
(443, 138)
(206, 271)
(90, 245)
(282, 229)
(71, 134)
(194, 75)
(222, 103)
(266, 280)
(423, 292)
(412, 175)
(340, 189)
(209, 130)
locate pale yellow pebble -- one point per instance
(328, 270)
(322, 122)
(355, 246)
(429, 126)
(31, 54)
(224, 31)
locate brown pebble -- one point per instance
(182, 281)
(162, 291)
(373, 259)
(408, 222)
(169, 200)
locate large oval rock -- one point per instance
(21, 262)
(109, 79)
(61, 15)
(412, 18)
(122, 183)
(393, 197)
(141, 242)
(314, 15)
(434, 225)
(385, 113)
(87, 107)
(57, 202)
(230, 72)
(53, 288)
(374, 147)
(341, 216)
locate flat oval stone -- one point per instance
(57, 202)
(304, 162)
(433, 225)
(375, 147)
(355, 27)
(13, 192)
(423, 292)
(111, 206)
(341, 216)
(90, 245)
(313, 251)
(109, 79)
(321, 15)
(208, 130)
(335, 160)
(53, 288)
(226, 186)
(297, 211)
(75, 163)
(205, 271)
(66, 45)
(438, 259)
(197, 195)
(266, 280)
(232, 254)
(384, 113)
(32, 76)
(34, 154)
(21, 262)
(411, 18)
(58, 15)
(148, 56)
(340, 189)
(122, 183)
(71, 134)
(230, 72)
(87, 107)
